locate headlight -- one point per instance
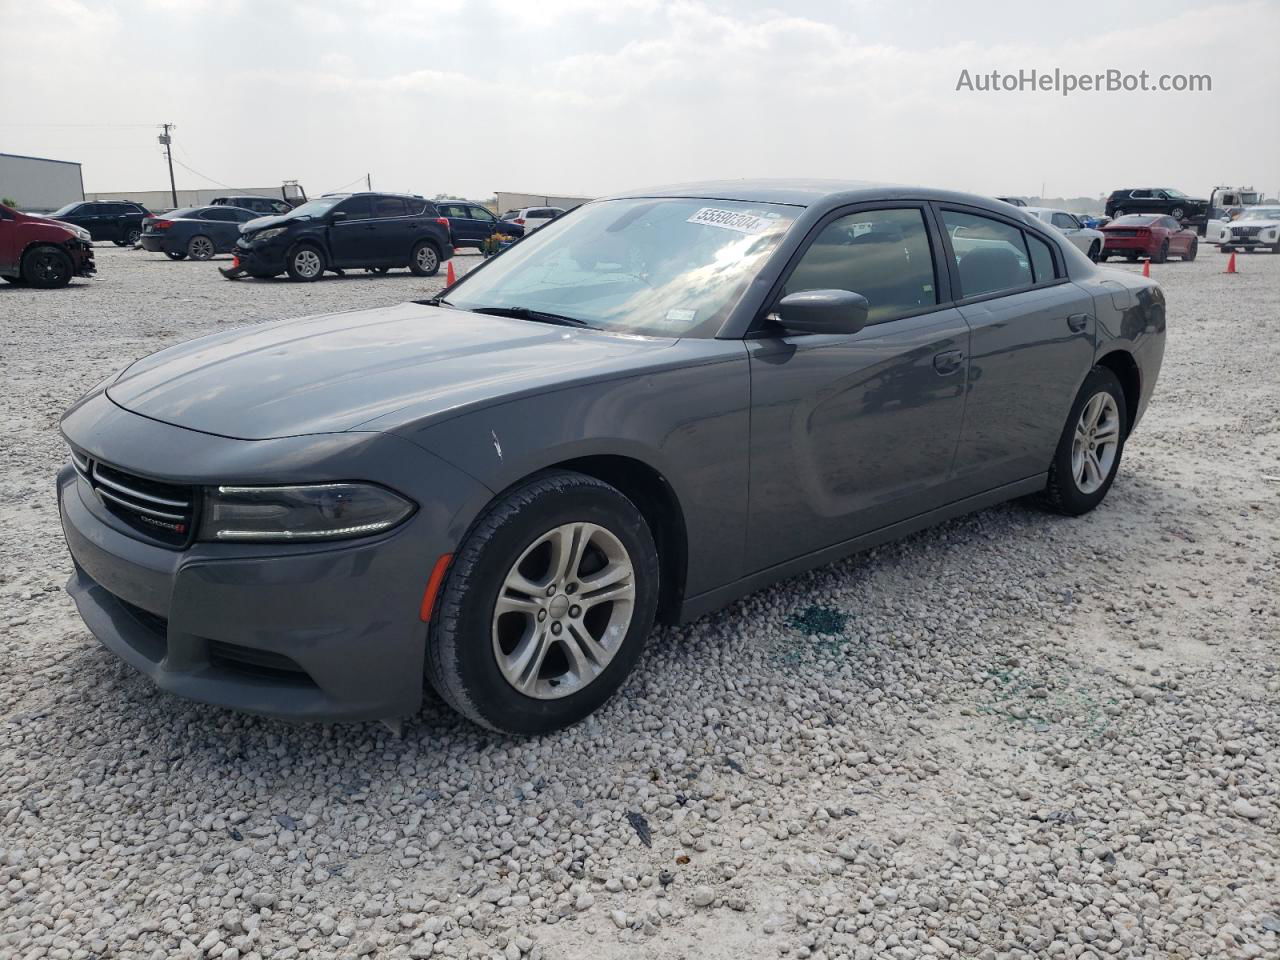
(266, 234)
(319, 511)
(83, 234)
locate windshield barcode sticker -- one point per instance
(731, 220)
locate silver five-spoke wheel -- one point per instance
(428, 259)
(1097, 442)
(563, 610)
(307, 263)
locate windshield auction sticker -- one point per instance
(731, 220)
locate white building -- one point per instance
(39, 185)
(518, 201)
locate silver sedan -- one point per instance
(1089, 241)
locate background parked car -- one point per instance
(1148, 235)
(41, 251)
(119, 221)
(377, 231)
(1166, 200)
(1256, 228)
(195, 232)
(263, 206)
(1087, 239)
(471, 224)
(1016, 201)
(531, 218)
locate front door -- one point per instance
(1032, 345)
(850, 433)
(351, 236)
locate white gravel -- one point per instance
(1024, 736)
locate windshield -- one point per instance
(1134, 220)
(1261, 213)
(64, 210)
(1174, 193)
(655, 267)
(315, 208)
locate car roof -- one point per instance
(1047, 210)
(813, 192)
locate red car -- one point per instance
(42, 252)
(1148, 235)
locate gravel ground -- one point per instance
(1015, 735)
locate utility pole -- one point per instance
(167, 141)
(368, 182)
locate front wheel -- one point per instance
(1095, 251)
(46, 267)
(546, 607)
(305, 264)
(1226, 248)
(425, 260)
(1088, 455)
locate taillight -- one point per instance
(161, 224)
(518, 221)
(443, 221)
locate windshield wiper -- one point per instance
(538, 316)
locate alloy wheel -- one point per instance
(49, 267)
(427, 259)
(1097, 442)
(563, 610)
(200, 248)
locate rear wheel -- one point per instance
(46, 267)
(132, 235)
(175, 254)
(425, 260)
(1227, 248)
(1118, 214)
(1162, 254)
(1192, 251)
(1177, 213)
(305, 263)
(1089, 450)
(546, 607)
(201, 247)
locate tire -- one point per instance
(201, 247)
(175, 254)
(1226, 248)
(1118, 214)
(1191, 251)
(46, 267)
(16, 281)
(425, 259)
(1177, 213)
(1095, 251)
(1162, 254)
(1074, 487)
(1132, 257)
(305, 263)
(469, 639)
(132, 235)
(1103, 257)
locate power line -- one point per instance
(8, 124)
(202, 176)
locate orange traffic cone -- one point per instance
(450, 278)
(1146, 268)
(1231, 265)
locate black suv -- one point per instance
(376, 231)
(1163, 200)
(263, 205)
(119, 221)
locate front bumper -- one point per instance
(82, 259)
(265, 259)
(306, 631)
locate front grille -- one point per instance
(1245, 231)
(163, 511)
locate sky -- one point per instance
(587, 97)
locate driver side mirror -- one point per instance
(336, 216)
(823, 311)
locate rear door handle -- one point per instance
(1077, 322)
(948, 362)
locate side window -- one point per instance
(1041, 259)
(1065, 221)
(417, 208)
(1170, 223)
(882, 254)
(480, 213)
(1141, 194)
(384, 207)
(224, 214)
(991, 255)
(356, 208)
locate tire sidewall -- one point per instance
(462, 627)
(293, 272)
(28, 273)
(1070, 498)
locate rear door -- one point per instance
(392, 231)
(460, 225)
(1139, 201)
(222, 224)
(854, 432)
(1032, 345)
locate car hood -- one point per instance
(1264, 224)
(264, 221)
(334, 372)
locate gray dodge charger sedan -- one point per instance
(654, 405)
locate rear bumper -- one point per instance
(1127, 245)
(155, 243)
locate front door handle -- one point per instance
(1077, 322)
(948, 362)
